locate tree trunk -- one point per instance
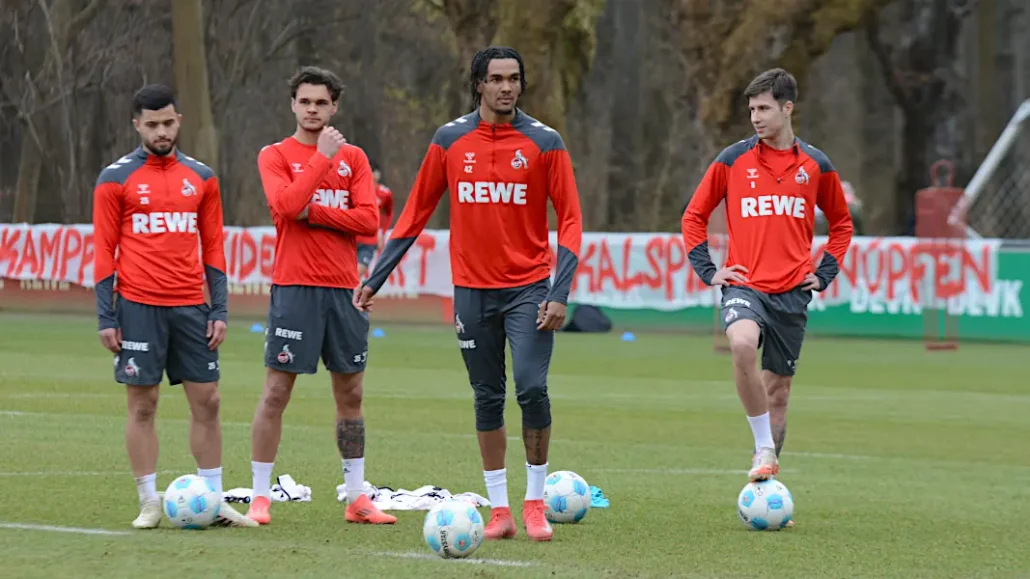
(920, 72)
(625, 161)
(730, 41)
(554, 37)
(29, 166)
(198, 136)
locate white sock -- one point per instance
(496, 487)
(146, 486)
(762, 431)
(213, 476)
(353, 477)
(262, 479)
(535, 476)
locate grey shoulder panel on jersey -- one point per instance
(202, 170)
(825, 166)
(119, 171)
(450, 132)
(730, 154)
(544, 137)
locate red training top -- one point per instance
(770, 212)
(319, 250)
(500, 177)
(158, 212)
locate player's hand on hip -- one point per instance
(215, 333)
(362, 299)
(551, 316)
(734, 273)
(811, 283)
(329, 142)
(111, 338)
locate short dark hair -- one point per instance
(152, 97)
(481, 62)
(782, 85)
(315, 75)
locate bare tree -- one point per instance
(920, 71)
(62, 24)
(728, 42)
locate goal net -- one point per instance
(996, 202)
(994, 205)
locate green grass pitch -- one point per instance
(902, 462)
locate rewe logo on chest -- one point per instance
(769, 205)
(332, 198)
(492, 192)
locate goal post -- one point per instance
(995, 205)
(996, 202)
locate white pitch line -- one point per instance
(55, 529)
(834, 456)
(427, 556)
(75, 473)
(679, 471)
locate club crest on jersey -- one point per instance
(285, 356)
(297, 167)
(802, 177)
(188, 190)
(131, 369)
(344, 169)
(519, 162)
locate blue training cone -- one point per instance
(257, 329)
(628, 337)
(378, 333)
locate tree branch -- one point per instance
(885, 57)
(82, 19)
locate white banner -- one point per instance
(619, 270)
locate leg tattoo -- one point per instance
(350, 437)
(536, 442)
(779, 432)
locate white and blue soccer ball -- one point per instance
(765, 505)
(453, 529)
(566, 497)
(191, 502)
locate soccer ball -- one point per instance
(765, 505)
(191, 502)
(566, 497)
(453, 529)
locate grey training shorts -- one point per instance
(160, 339)
(306, 323)
(485, 318)
(781, 318)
